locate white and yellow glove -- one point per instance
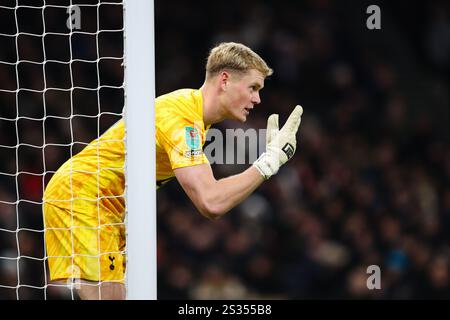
(280, 144)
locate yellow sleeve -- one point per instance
(183, 142)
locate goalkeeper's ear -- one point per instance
(272, 127)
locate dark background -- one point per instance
(369, 184)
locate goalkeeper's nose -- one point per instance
(255, 98)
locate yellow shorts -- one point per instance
(79, 246)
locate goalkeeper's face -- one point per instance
(242, 94)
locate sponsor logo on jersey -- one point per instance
(193, 153)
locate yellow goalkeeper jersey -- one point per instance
(93, 180)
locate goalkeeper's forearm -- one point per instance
(229, 192)
(212, 197)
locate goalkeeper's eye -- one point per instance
(255, 87)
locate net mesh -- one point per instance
(61, 86)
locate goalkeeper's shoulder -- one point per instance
(173, 99)
(178, 109)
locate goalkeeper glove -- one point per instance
(280, 144)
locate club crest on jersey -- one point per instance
(192, 138)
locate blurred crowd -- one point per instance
(369, 184)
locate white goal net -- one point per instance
(61, 86)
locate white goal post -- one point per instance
(140, 142)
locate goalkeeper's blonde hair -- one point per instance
(235, 57)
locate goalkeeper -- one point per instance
(84, 205)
